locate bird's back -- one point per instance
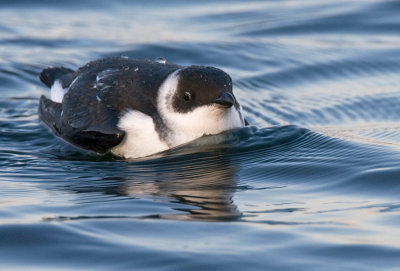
(97, 94)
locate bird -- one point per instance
(137, 107)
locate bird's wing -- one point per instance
(81, 120)
(98, 94)
(98, 140)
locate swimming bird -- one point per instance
(135, 108)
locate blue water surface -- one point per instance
(312, 184)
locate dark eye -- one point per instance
(187, 96)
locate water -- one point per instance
(313, 184)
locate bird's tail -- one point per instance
(49, 75)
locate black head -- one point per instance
(199, 85)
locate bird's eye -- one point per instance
(187, 96)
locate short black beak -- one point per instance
(226, 99)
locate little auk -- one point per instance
(135, 108)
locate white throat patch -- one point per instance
(204, 120)
(142, 139)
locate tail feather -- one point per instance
(49, 75)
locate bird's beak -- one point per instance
(226, 99)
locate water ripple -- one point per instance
(312, 184)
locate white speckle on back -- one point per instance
(73, 81)
(204, 120)
(57, 92)
(103, 74)
(141, 138)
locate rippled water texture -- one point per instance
(313, 184)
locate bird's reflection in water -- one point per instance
(200, 177)
(206, 183)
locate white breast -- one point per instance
(141, 138)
